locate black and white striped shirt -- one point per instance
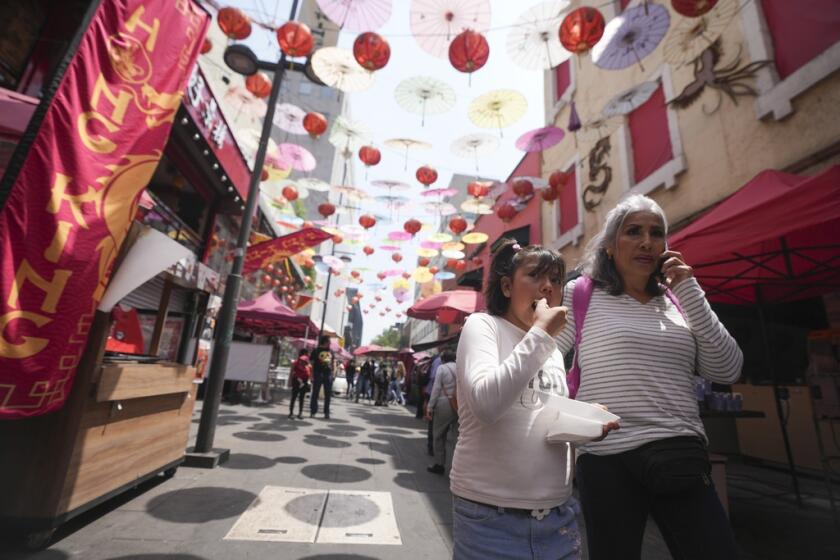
(640, 361)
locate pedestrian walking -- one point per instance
(380, 382)
(648, 330)
(365, 381)
(512, 493)
(443, 407)
(395, 392)
(323, 363)
(301, 372)
(352, 372)
(427, 391)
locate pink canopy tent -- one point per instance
(447, 307)
(267, 315)
(311, 343)
(776, 239)
(374, 350)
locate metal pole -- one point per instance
(332, 254)
(227, 314)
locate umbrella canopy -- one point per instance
(447, 307)
(357, 15)
(338, 69)
(534, 40)
(289, 117)
(313, 184)
(297, 156)
(499, 108)
(349, 135)
(689, 37)
(407, 144)
(474, 145)
(435, 23)
(539, 139)
(629, 100)
(631, 36)
(390, 184)
(269, 316)
(424, 95)
(244, 103)
(780, 234)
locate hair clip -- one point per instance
(516, 247)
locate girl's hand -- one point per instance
(674, 268)
(608, 427)
(550, 319)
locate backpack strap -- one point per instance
(581, 295)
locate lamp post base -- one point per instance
(210, 460)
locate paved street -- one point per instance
(362, 448)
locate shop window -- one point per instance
(649, 135)
(802, 38)
(568, 223)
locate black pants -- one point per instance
(317, 382)
(616, 507)
(299, 393)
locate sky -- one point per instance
(377, 108)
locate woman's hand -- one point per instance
(674, 268)
(550, 319)
(608, 427)
(427, 416)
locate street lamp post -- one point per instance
(240, 59)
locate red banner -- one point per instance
(78, 190)
(263, 254)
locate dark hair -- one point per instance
(507, 259)
(447, 356)
(303, 352)
(324, 340)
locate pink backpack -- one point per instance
(581, 296)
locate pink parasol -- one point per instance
(243, 101)
(297, 156)
(357, 15)
(631, 36)
(399, 235)
(391, 184)
(435, 23)
(289, 117)
(390, 247)
(431, 244)
(393, 272)
(439, 192)
(539, 139)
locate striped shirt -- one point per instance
(640, 361)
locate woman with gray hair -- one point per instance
(648, 330)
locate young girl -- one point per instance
(301, 371)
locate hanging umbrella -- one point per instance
(391, 185)
(435, 23)
(453, 246)
(297, 156)
(427, 252)
(348, 135)
(424, 95)
(392, 200)
(689, 37)
(338, 69)
(276, 168)
(243, 102)
(540, 139)
(313, 184)
(350, 192)
(390, 247)
(357, 15)
(440, 238)
(475, 145)
(598, 128)
(499, 108)
(407, 144)
(399, 235)
(628, 100)
(439, 192)
(289, 117)
(477, 207)
(475, 237)
(534, 40)
(631, 36)
(442, 208)
(445, 275)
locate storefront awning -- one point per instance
(776, 239)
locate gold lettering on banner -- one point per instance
(52, 288)
(56, 248)
(30, 345)
(135, 21)
(96, 142)
(59, 194)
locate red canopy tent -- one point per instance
(374, 350)
(447, 307)
(267, 315)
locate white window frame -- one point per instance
(552, 107)
(575, 233)
(668, 172)
(775, 94)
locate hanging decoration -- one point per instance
(290, 193)
(347, 135)
(478, 189)
(295, 39)
(540, 139)
(435, 22)
(457, 225)
(289, 117)
(533, 41)
(370, 156)
(600, 171)
(206, 46)
(469, 52)
(581, 29)
(506, 212)
(631, 37)
(357, 15)
(396, 257)
(234, 23)
(258, 84)
(474, 145)
(629, 100)
(412, 226)
(424, 95)
(522, 188)
(315, 124)
(688, 38)
(423, 261)
(426, 175)
(326, 209)
(407, 144)
(371, 51)
(549, 194)
(368, 250)
(367, 221)
(498, 109)
(338, 69)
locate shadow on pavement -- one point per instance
(158, 557)
(259, 436)
(200, 505)
(329, 472)
(336, 432)
(247, 461)
(369, 461)
(396, 431)
(379, 447)
(323, 441)
(338, 557)
(350, 428)
(291, 460)
(272, 426)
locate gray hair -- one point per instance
(596, 263)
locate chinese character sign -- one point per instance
(73, 201)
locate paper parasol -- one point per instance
(429, 244)
(347, 135)
(399, 235)
(407, 144)
(313, 184)
(390, 247)
(357, 15)
(439, 192)
(475, 145)
(297, 156)
(350, 192)
(289, 117)
(440, 237)
(452, 254)
(442, 208)
(424, 95)
(540, 139)
(629, 100)
(427, 252)
(422, 275)
(453, 246)
(390, 185)
(499, 108)
(338, 69)
(435, 23)
(689, 37)
(598, 128)
(477, 207)
(445, 275)
(631, 36)
(534, 40)
(475, 237)
(392, 200)
(243, 102)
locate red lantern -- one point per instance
(234, 23)
(457, 225)
(270, 269)
(426, 175)
(469, 51)
(368, 250)
(258, 84)
(460, 266)
(581, 29)
(450, 263)
(264, 175)
(371, 51)
(693, 8)
(367, 221)
(369, 155)
(478, 189)
(549, 194)
(558, 180)
(506, 212)
(406, 275)
(337, 239)
(387, 309)
(523, 188)
(275, 283)
(396, 257)
(206, 46)
(477, 261)
(315, 124)
(290, 193)
(423, 261)
(412, 226)
(379, 298)
(434, 269)
(295, 38)
(326, 209)
(381, 276)
(355, 273)
(266, 279)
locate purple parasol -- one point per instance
(297, 156)
(357, 15)
(539, 139)
(631, 36)
(574, 119)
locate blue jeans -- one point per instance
(480, 531)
